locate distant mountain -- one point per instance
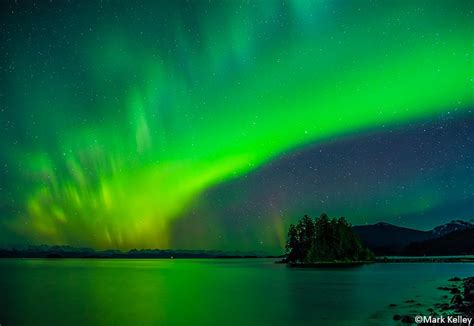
(456, 243)
(388, 239)
(454, 225)
(45, 251)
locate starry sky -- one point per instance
(216, 124)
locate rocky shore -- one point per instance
(465, 304)
(458, 302)
(331, 264)
(426, 259)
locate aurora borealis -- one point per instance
(213, 125)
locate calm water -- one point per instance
(209, 292)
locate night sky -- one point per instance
(214, 125)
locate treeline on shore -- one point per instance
(44, 251)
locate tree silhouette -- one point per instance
(324, 240)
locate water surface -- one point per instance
(212, 291)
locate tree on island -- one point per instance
(324, 240)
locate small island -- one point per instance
(325, 242)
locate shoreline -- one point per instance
(177, 257)
(87, 253)
(328, 264)
(426, 259)
(178, 254)
(458, 303)
(379, 260)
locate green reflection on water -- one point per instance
(209, 292)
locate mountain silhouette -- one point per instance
(388, 239)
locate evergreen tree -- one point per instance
(324, 240)
(292, 244)
(307, 234)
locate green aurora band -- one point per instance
(181, 101)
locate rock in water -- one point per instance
(454, 291)
(408, 320)
(469, 289)
(456, 300)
